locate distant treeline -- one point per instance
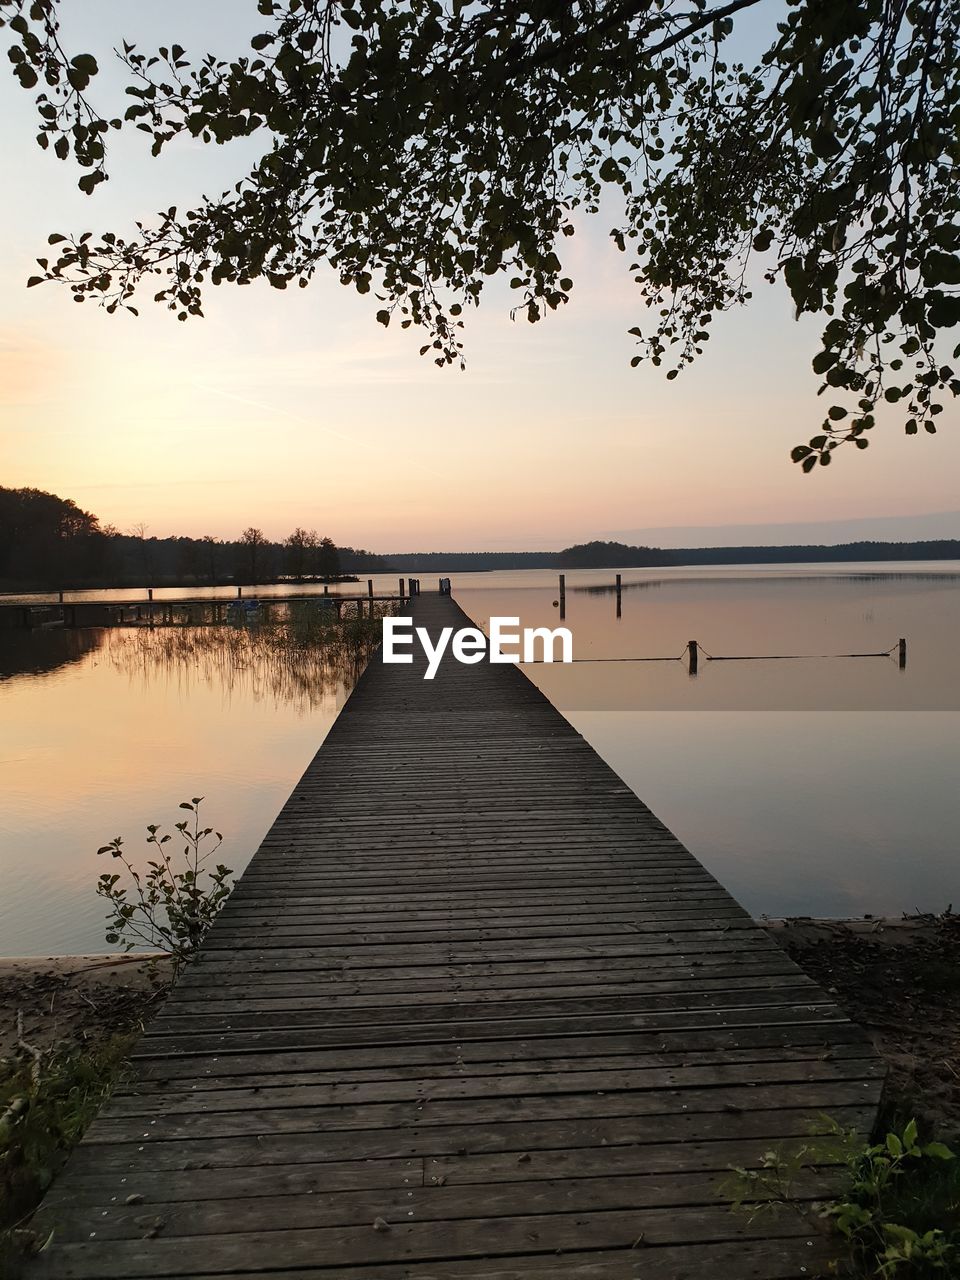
(618, 555)
(48, 543)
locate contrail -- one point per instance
(284, 413)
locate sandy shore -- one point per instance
(900, 980)
(67, 1000)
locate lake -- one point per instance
(812, 784)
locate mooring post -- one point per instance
(370, 588)
(902, 653)
(402, 591)
(239, 593)
(563, 596)
(619, 595)
(60, 597)
(693, 656)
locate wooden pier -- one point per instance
(194, 611)
(472, 1013)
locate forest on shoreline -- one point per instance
(48, 543)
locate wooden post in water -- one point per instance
(902, 653)
(563, 597)
(693, 656)
(239, 593)
(60, 597)
(402, 590)
(370, 588)
(619, 595)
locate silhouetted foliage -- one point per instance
(619, 555)
(616, 555)
(48, 543)
(46, 537)
(420, 148)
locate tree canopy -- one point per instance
(422, 147)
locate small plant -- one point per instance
(898, 1213)
(168, 906)
(867, 1215)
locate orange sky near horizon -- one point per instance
(293, 408)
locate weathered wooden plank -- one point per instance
(660, 945)
(590, 967)
(280, 1093)
(464, 1238)
(306, 1013)
(518, 1136)
(282, 922)
(207, 1073)
(318, 1035)
(786, 1259)
(264, 997)
(427, 1112)
(429, 1061)
(434, 1202)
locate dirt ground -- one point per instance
(900, 979)
(67, 1001)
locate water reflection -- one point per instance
(281, 664)
(805, 808)
(105, 731)
(646, 584)
(41, 652)
(752, 618)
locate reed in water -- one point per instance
(301, 657)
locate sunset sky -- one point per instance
(298, 408)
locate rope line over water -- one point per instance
(779, 657)
(732, 657)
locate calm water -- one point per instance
(820, 785)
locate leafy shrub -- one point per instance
(169, 906)
(899, 1209)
